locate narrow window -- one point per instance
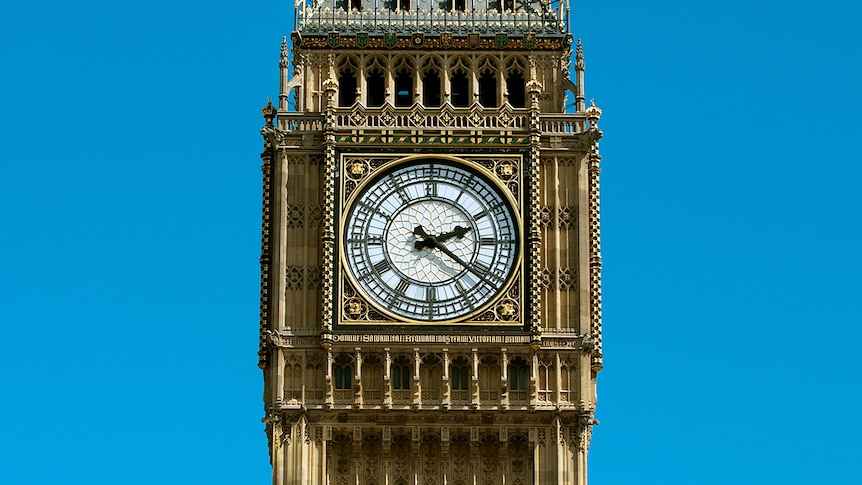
(488, 89)
(459, 377)
(346, 88)
(403, 88)
(404, 5)
(431, 89)
(401, 377)
(343, 376)
(356, 4)
(517, 89)
(460, 5)
(460, 93)
(508, 4)
(376, 88)
(518, 376)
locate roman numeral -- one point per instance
(382, 266)
(401, 289)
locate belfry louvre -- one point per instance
(430, 264)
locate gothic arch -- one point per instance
(459, 73)
(372, 379)
(517, 75)
(293, 378)
(374, 72)
(342, 377)
(431, 378)
(430, 459)
(400, 376)
(341, 459)
(314, 381)
(404, 74)
(489, 379)
(431, 76)
(488, 77)
(372, 468)
(348, 79)
(459, 450)
(402, 451)
(460, 376)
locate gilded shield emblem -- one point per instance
(529, 40)
(445, 39)
(501, 39)
(362, 39)
(418, 39)
(334, 38)
(473, 40)
(389, 39)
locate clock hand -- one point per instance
(458, 232)
(429, 240)
(460, 261)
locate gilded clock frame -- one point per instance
(354, 309)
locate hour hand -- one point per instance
(458, 232)
(427, 240)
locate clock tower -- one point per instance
(430, 305)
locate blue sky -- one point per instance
(130, 214)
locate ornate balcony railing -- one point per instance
(514, 120)
(321, 18)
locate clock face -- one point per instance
(431, 241)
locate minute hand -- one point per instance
(460, 261)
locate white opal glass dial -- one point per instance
(431, 241)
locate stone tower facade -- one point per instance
(430, 268)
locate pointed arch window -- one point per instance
(342, 375)
(459, 375)
(401, 376)
(346, 87)
(375, 87)
(460, 89)
(293, 380)
(431, 378)
(516, 87)
(372, 379)
(518, 379)
(403, 88)
(314, 370)
(547, 380)
(431, 88)
(488, 89)
(343, 371)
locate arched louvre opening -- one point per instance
(375, 87)
(403, 88)
(460, 89)
(517, 89)
(346, 87)
(488, 89)
(431, 88)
